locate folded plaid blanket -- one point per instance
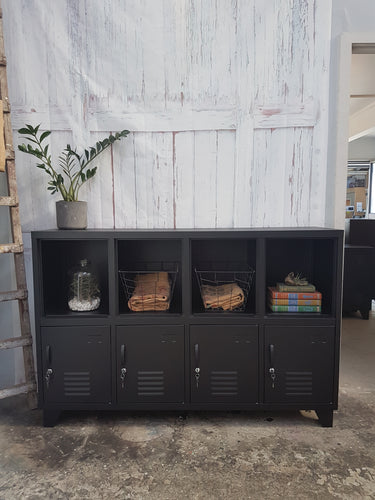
(226, 297)
(151, 292)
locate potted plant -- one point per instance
(71, 173)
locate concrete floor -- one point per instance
(207, 456)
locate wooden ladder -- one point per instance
(7, 165)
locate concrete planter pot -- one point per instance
(71, 214)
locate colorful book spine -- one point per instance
(311, 309)
(295, 302)
(294, 295)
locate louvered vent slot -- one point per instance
(224, 383)
(299, 384)
(150, 383)
(77, 384)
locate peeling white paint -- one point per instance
(226, 101)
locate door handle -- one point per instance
(48, 355)
(123, 369)
(272, 370)
(197, 370)
(196, 355)
(272, 355)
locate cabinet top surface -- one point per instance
(243, 231)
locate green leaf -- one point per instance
(87, 154)
(24, 131)
(83, 178)
(92, 152)
(44, 135)
(22, 148)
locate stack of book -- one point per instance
(289, 298)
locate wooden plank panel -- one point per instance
(205, 87)
(17, 389)
(176, 58)
(143, 169)
(243, 170)
(284, 49)
(161, 149)
(100, 119)
(226, 143)
(184, 173)
(125, 184)
(154, 57)
(205, 179)
(13, 295)
(15, 342)
(299, 200)
(320, 212)
(282, 196)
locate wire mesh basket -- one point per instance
(225, 286)
(149, 286)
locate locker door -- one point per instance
(150, 364)
(224, 364)
(302, 358)
(76, 364)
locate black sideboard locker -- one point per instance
(187, 358)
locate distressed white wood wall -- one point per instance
(226, 101)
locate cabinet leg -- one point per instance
(365, 313)
(50, 417)
(325, 417)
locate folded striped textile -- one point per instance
(226, 297)
(151, 293)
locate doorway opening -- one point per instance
(360, 196)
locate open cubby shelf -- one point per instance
(184, 321)
(58, 259)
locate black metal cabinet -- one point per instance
(76, 364)
(150, 364)
(299, 364)
(359, 279)
(187, 357)
(224, 364)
